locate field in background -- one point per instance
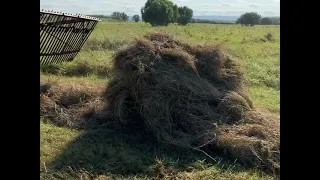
(256, 48)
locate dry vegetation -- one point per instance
(192, 97)
(163, 97)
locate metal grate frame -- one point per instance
(62, 35)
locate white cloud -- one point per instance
(254, 5)
(200, 7)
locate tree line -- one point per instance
(253, 18)
(157, 13)
(164, 12)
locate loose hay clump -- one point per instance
(70, 105)
(190, 96)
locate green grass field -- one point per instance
(68, 153)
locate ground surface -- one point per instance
(69, 153)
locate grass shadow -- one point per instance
(106, 148)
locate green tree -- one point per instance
(185, 15)
(275, 20)
(116, 16)
(158, 12)
(175, 14)
(136, 18)
(124, 17)
(266, 21)
(250, 18)
(120, 16)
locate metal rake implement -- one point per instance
(62, 35)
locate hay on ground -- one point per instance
(70, 105)
(192, 97)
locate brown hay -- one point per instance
(235, 105)
(190, 96)
(70, 105)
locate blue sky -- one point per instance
(199, 7)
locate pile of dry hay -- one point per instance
(193, 97)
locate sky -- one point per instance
(199, 7)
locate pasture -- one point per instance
(72, 150)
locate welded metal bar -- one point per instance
(48, 39)
(58, 53)
(62, 35)
(79, 40)
(43, 34)
(75, 30)
(63, 22)
(72, 40)
(86, 35)
(53, 42)
(65, 40)
(60, 40)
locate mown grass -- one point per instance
(103, 154)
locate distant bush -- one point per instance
(250, 18)
(266, 21)
(185, 15)
(121, 16)
(136, 18)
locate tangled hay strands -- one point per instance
(190, 96)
